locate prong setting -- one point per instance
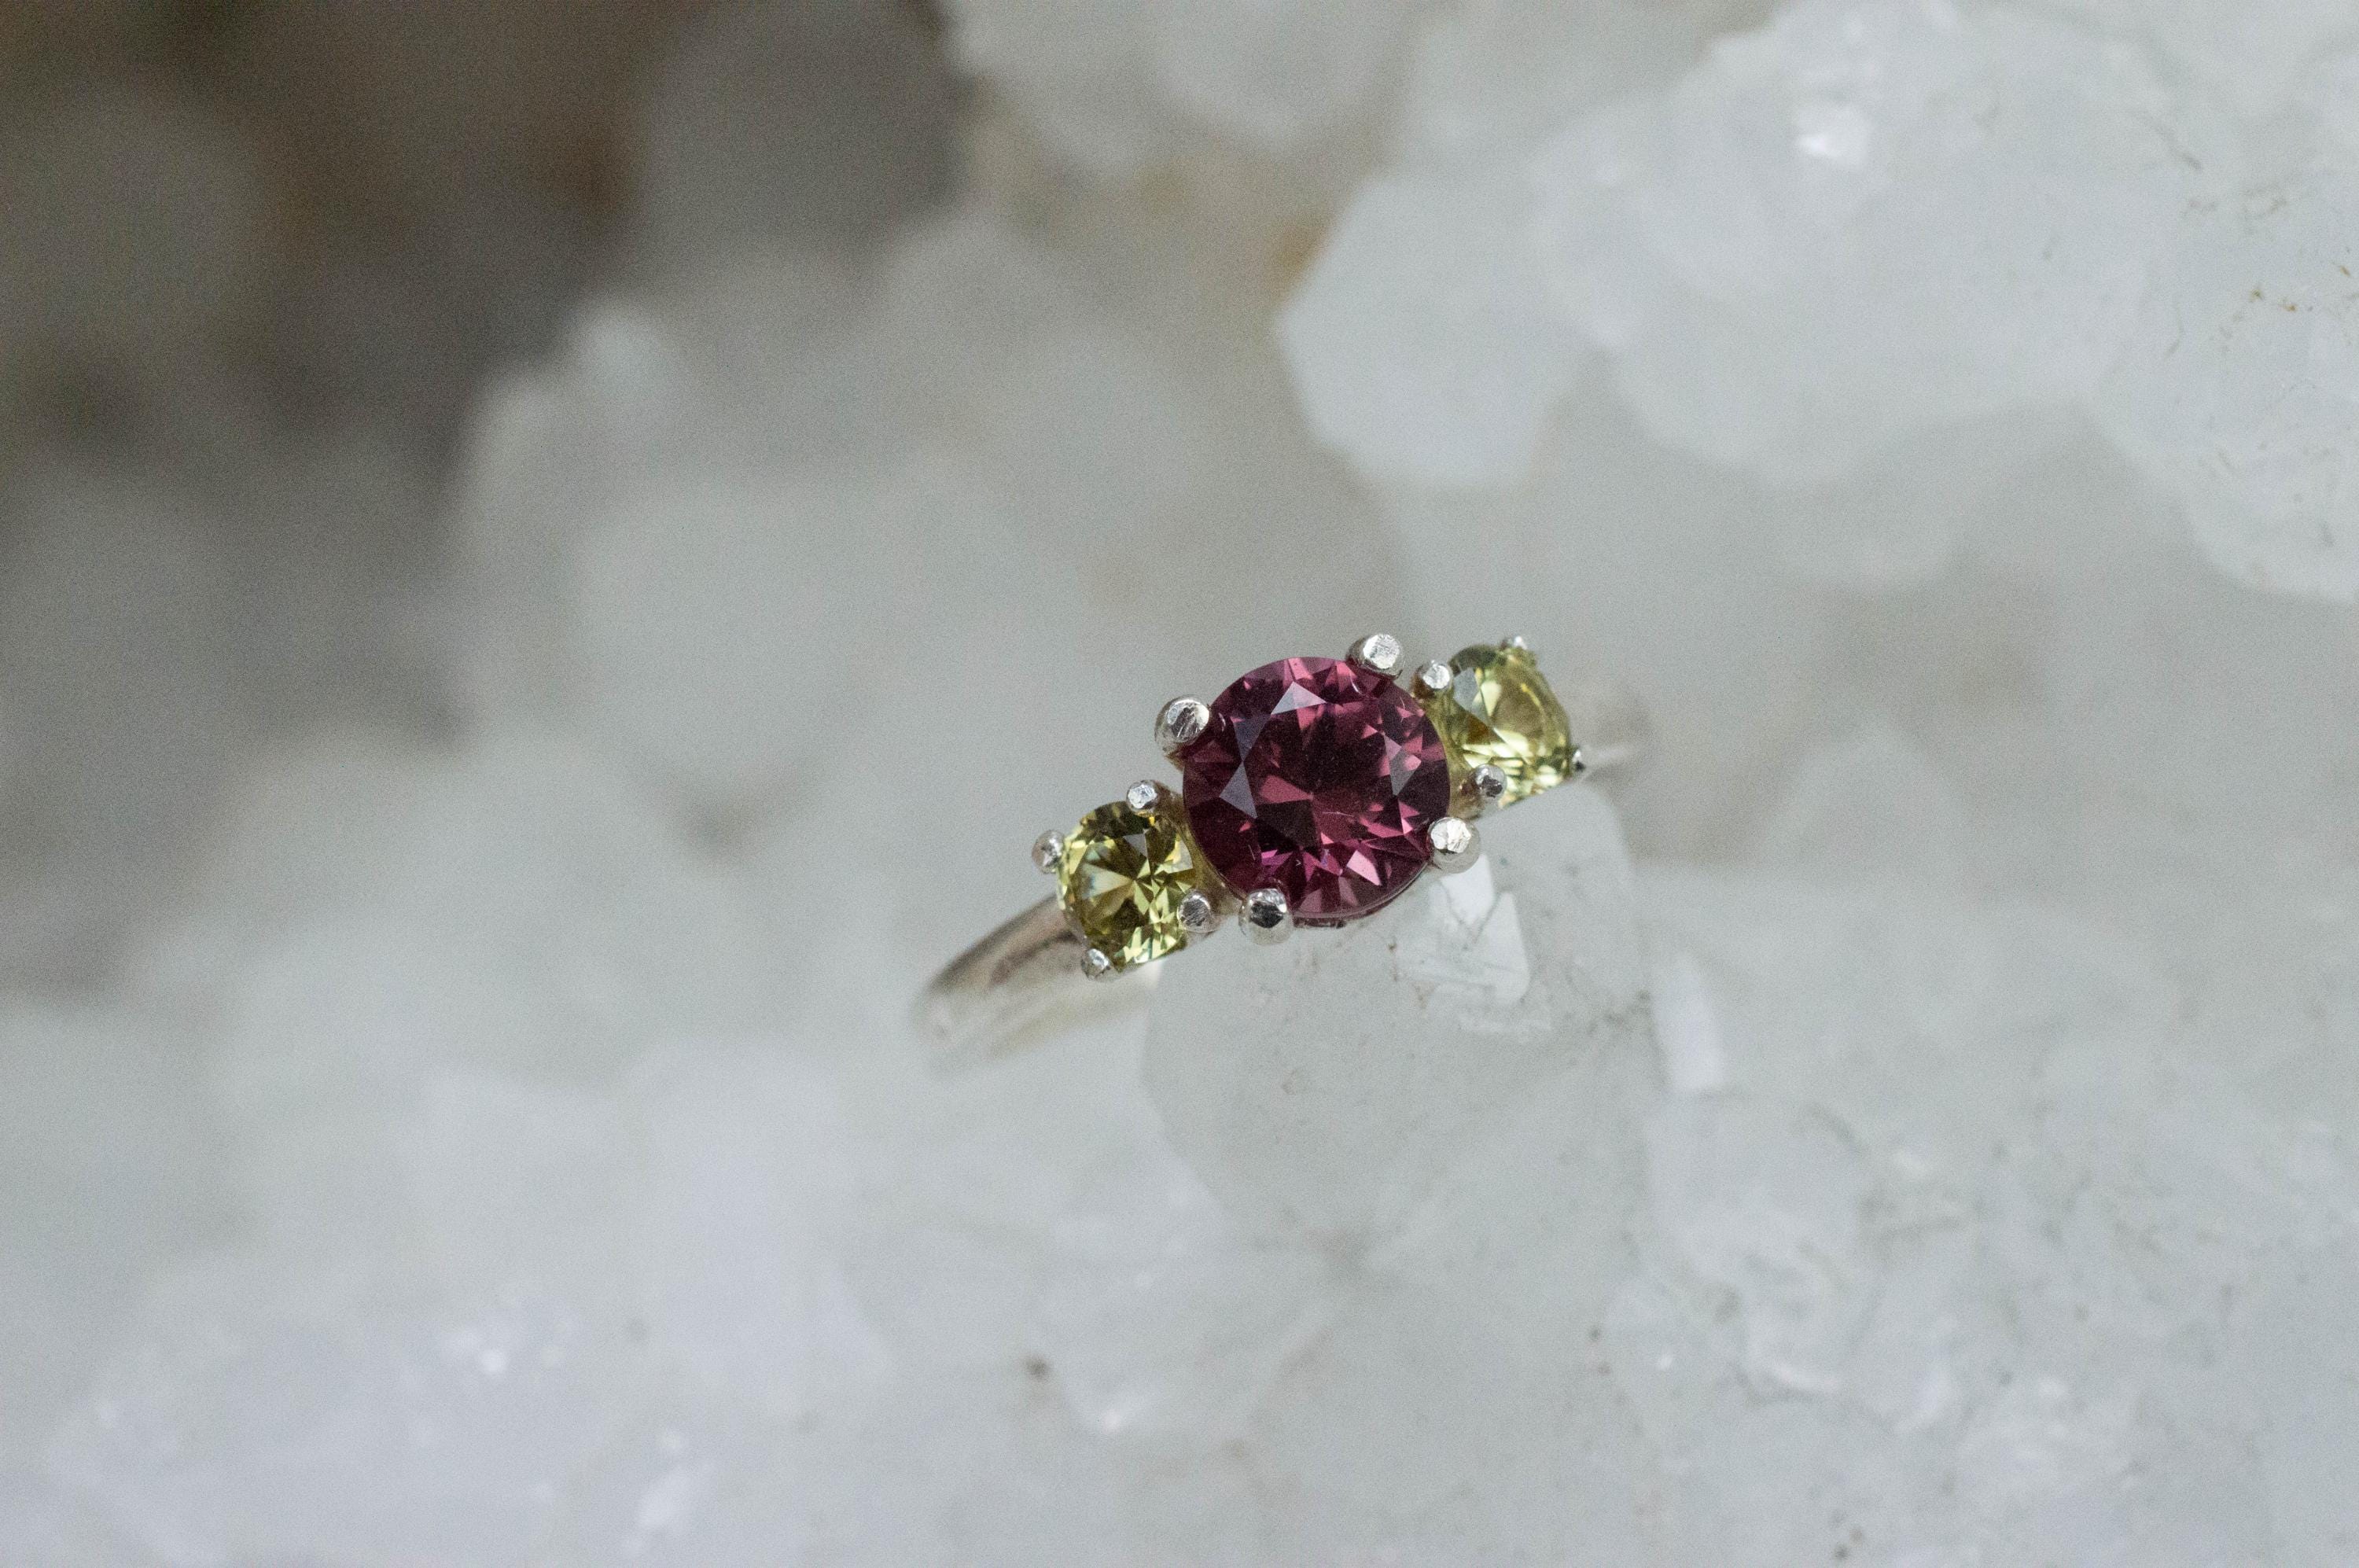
(1165, 864)
(1378, 651)
(1455, 843)
(1489, 782)
(1264, 916)
(1182, 721)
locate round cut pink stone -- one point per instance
(1319, 778)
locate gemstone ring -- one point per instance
(1313, 792)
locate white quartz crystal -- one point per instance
(1471, 362)
(1112, 84)
(1284, 1111)
(1834, 241)
(133, 1157)
(458, 1097)
(2251, 55)
(2236, 386)
(1814, 182)
(1274, 75)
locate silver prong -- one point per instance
(1490, 782)
(1456, 844)
(1579, 763)
(1197, 916)
(1180, 722)
(1379, 651)
(1432, 678)
(1518, 643)
(1048, 850)
(1264, 916)
(1143, 796)
(1097, 965)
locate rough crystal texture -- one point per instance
(1285, 1109)
(2236, 387)
(1121, 879)
(1960, 217)
(1499, 712)
(455, 1100)
(2254, 56)
(1856, 128)
(1423, 341)
(1318, 778)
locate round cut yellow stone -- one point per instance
(1498, 709)
(1121, 879)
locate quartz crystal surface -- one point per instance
(1498, 711)
(1281, 1101)
(503, 702)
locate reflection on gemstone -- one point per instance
(1121, 880)
(1319, 778)
(1499, 710)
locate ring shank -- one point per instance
(1023, 980)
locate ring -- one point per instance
(1313, 792)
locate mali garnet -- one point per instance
(1319, 778)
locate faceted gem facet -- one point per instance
(1498, 709)
(1318, 778)
(1121, 879)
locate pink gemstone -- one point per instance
(1321, 778)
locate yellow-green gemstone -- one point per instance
(1121, 879)
(1498, 709)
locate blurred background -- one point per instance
(555, 555)
(264, 263)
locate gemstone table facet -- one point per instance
(1319, 778)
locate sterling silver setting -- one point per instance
(1456, 844)
(1012, 984)
(1265, 917)
(1180, 722)
(1488, 784)
(1379, 651)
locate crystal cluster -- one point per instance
(470, 850)
(1870, 220)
